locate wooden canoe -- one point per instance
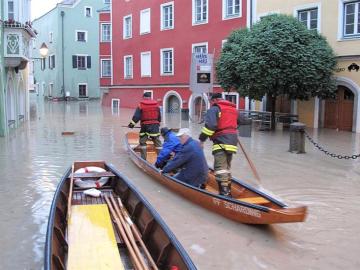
(88, 237)
(247, 205)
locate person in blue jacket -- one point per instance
(171, 145)
(190, 160)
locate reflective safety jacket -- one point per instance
(221, 123)
(149, 112)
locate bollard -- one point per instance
(297, 138)
(245, 127)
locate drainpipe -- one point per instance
(62, 13)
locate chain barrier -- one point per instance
(329, 153)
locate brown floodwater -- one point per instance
(34, 157)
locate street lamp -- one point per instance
(43, 50)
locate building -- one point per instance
(338, 21)
(71, 68)
(16, 35)
(152, 44)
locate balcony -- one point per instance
(17, 37)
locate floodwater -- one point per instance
(34, 157)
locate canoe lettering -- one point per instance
(242, 209)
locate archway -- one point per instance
(198, 103)
(10, 101)
(172, 105)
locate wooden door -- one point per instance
(339, 111)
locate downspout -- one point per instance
(62, 54)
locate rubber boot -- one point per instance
(224, 189)
(143, 152)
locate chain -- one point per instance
(327, 152)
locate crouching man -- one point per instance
(190, 160)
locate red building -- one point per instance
(152, 43)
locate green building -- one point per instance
(71, 68)
(2, 73)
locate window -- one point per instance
(81, 61)
(11, 10)
(105, 32)
(43, 63)
(81, 36)
(128, 67)
(107, 1)
(105, 68)
(88, 11)
(127, 31)
(231, 9)
(232, 97)
(309, 18)
(146, 64)
(167, 16)
(352, 19)
(82, 90)
(52, 61)
(167, 61)
(50, 37)
(145, 21)
(115, 105)
(223, 43)
(200, 11)
(200, 48)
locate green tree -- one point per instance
(277, 56)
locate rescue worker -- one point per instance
(221, 122)
(171, 145)
(148, 113)
(190, 160)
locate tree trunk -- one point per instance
(273, 107)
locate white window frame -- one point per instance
(102, 31)
(194, 22)
(102, 68)
(341, 22)
(162, 73)
(162, 6)
(200, 44)
(147, 31)
(91, 13)
(125, 36)
(141, 63)
(224, 94)
(224, 11)
(130, 76)
(113, 107)
(77, 61)
(87, 90)
(309, 7)
(6, 7)
(85, 36)
(151, 93)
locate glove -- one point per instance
(131, 125)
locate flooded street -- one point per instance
(34, 157)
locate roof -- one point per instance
(67, 2)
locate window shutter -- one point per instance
(74, 60)
(88, 61)
(53, 61)
(49, 62)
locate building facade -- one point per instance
(338, 21)
(71, 68)
(16, 35)
(152, 44)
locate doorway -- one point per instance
(339, 111)
(173, 104)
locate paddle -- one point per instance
(70, 192)
(252, 166)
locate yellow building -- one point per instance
(339, 22)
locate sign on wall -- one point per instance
(201, 73)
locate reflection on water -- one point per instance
(34, 157)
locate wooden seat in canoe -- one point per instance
(254, 200)
(91, 239)
(93, 175)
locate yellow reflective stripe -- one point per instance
(219, 114)
(132, 122)
(149, 134)
(142, 133)
(226, 147)
(207, 131)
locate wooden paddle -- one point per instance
(252, 166)
(70, 192)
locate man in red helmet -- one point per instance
(148, 113)
(221, 122)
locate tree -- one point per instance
(278, 56)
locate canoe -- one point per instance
(117, 230)
(247, 205)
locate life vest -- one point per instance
(149, 112)
(227, 122)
